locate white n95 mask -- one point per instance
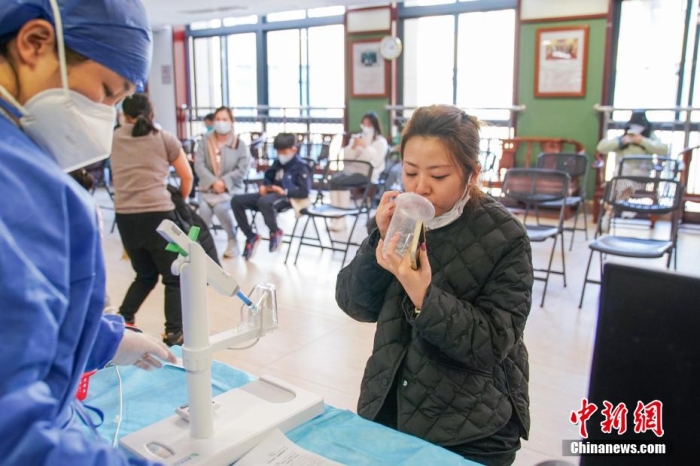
(74, 129)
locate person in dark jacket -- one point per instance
(449, 364)
(287, 179)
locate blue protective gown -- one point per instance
(52, 289)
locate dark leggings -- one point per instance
(267, 205)
(149, 259)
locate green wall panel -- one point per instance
(358, 107)
(564, 117)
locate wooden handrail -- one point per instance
(686, 156)
(509, 148)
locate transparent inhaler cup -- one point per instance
(264, 295)
(410, 208)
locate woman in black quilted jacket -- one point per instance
(449, 364)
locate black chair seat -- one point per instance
(539, 233)
(328, 211)
(571, 201)
(631, 247)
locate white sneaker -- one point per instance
(338, 224)
(232, 249)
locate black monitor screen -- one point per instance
(647, 348)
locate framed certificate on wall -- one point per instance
(368, 69)
(561, 59)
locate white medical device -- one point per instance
(219, 430)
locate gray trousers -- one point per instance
(223, 213)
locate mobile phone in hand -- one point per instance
(416, 242)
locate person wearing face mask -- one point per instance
(449, 364)
(141, 159)
(209, 122)
(222, 163)
(368, 146)
(638, 139)
(64, 64)
(286, 183)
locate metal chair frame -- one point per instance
(622, 195)
(576, 165)
(327, 211)
(536, 187)
(656, 166)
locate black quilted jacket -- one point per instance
(461, 363)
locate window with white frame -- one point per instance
(242, 72)
(283, 70)
(485, 60)
(428, 62)
(205, 85)
(485, 53)
(649, 53)
(326, 70)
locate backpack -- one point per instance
(187, 218)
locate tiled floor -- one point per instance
(319, 348)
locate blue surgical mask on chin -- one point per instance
(453, 214)
(74, 129)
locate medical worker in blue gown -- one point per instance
(57, 92)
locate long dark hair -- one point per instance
(457, 131)
(374, 119)
(139, 107)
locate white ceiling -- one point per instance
(173, 12)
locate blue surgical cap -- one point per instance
(113, 33)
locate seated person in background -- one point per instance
(638, 139)
(209, 122)
(288, 179)
(449, 363)
(222, 163)
(392, 182)
(368, 146)
(393, 174)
